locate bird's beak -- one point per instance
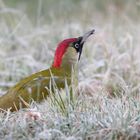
(86, 35)
(83, 40)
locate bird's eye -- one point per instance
(76, 45)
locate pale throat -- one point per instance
(70, 59)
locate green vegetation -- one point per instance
(108, 102)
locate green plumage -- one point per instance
(35, 87)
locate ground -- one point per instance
(107, 105)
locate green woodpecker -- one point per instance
(35, 87)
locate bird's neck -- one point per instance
(67, 61)
(69, 65)
(70, 60)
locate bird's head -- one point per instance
(70, 50)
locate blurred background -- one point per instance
(109, 73)
(30, 31)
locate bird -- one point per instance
(35, 87)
